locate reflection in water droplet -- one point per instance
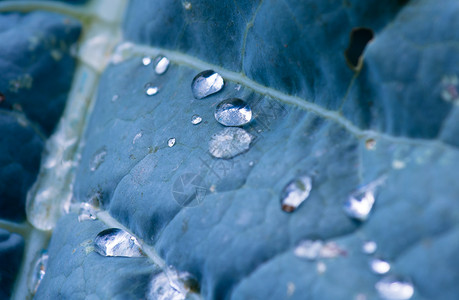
(206, 83)
(172, 285)
(150, 89)
(369, 247)
(295, 193)
(229, 142)
(314, 249)
(233, 112)
(38, 272)
(117, 242)
(379, 266)
(87, 212)
(359, 204)
(161, 65)
(195, 119)
(146, 60)
(171, 142)
(395, 288)
(97, 159)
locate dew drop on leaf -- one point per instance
(161, 65)
(171, 142)
(233, 112)
(229, 142)
(117, 242)
(195, 119)
(38, 272)
(295, 193)
(150, 89)
(172, 285)
(359, 204)
(394, 288)
(369, 247)
(379, 266)
(206, 83)
(97, 159)
(146, 60)
(87, 212)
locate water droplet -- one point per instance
(314, 249)
(115, 97)
(238, 87)
(186, 5)
(195, 119)
(171, 142)
(97, 159)
(146, 60)
(359, 204)
(161, 65)
(370, 144)
(206, 83)
(87, 212)
(38, 272)
(150, 89)
(394, 288)
(321, 267)
(369, 247)
(172, 285)
(233, 112)
(117, 242)
(379, 266)
(137, 137)
(295, 193)
(251, 164)
(229, 142)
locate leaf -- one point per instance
(390, 120)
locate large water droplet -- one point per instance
(379, 266)
(117, 242)
(233, 112)
(172, 285)
(394, 288)
(359, 204)
(206, 83)
(369, 247)
(229, 142)
(295, 193)
(171, 142)
(161, 65)
(314, 249)
(195, 119)
(87, 212)
(150, 89)
(97, 159)
(38, 272)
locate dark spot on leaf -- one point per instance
(2, 98)
(359, 39)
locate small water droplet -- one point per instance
(251, 164)
(115, 97)
(172, 285)
(237, 87)
(150, 89)
(137, 137)
(295, 193)
(87, 212)
(206, 83)
(394, 288)
(161, 65)
(379, 266)
(359, 204)
(233, 112)
(229, 142)
(38, 272)
(321, 267)
(369, 247)
(97, 159)
(117, 242)
(146, 60)
(186, 5)
(171, 142)
(195, 119)
(370, 144)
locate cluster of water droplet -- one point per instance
(160, 65)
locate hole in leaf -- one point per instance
(359, 39)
